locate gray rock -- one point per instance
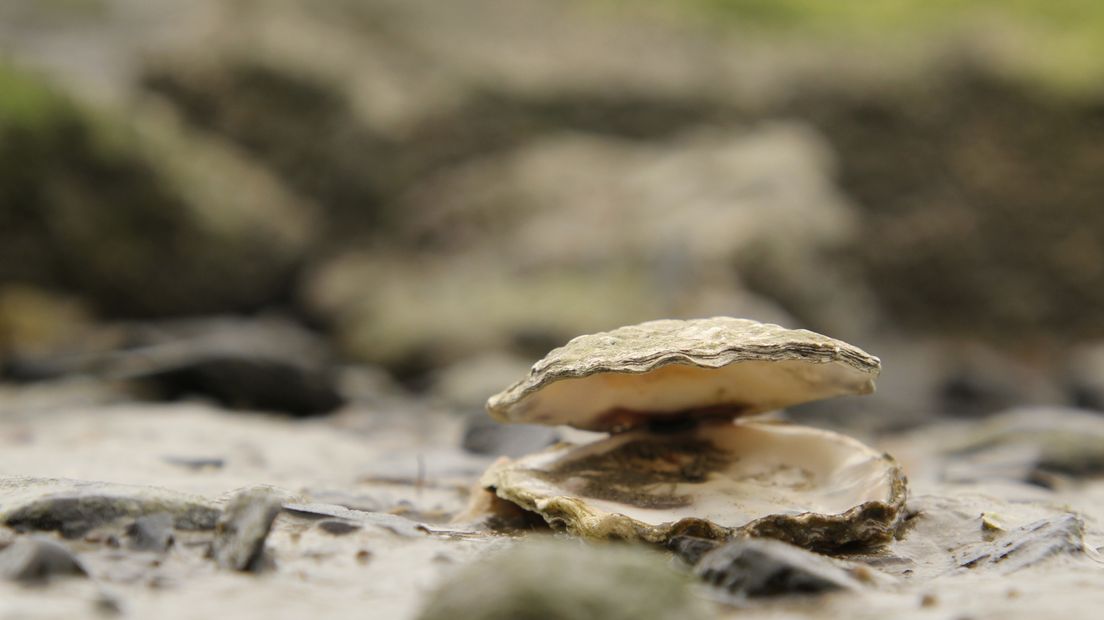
(266, 363)
(566, 580)
(151, 532)
(195, 462)
(243, 528)
(945, 532)
(691, 549)
(394, 524)
(337, 527)
(1026, 546)
(754, 567)
(37, 558)
(1033, 444)
(74, 507)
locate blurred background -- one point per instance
(289, 205)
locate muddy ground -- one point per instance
(373, 521)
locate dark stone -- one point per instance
(249, 384)
(337, 528)
(107, 605)
(690, 549)
(243, 528)
(1027, 545)
(151, 533)
(37, 558)
(73, 508)
(266, 364)
(748, 568)
(195, 462)
(965, 395)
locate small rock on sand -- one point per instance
(243, 528)
(37, 558)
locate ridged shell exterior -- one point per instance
(704, 343)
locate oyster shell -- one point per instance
(717, 367)
(811, 487)
(683, 458)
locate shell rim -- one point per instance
(499, 405)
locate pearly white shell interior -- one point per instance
(767, 469)
(611, 399)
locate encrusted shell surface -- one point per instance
(719, 366)
(810, 487)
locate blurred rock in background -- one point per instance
(135, 214)
(428, 185)
(575, 234)
(982, 220)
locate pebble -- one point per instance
(1027, 545)
(749, 568)
(151, 533)
(243, 528)
(37, 558)
(566, 580)
(337, 527)
(691, 549)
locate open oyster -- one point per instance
(679, 461)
